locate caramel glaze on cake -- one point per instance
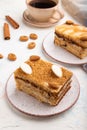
(43, 84)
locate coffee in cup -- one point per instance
(42, 4)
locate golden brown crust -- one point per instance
(74, 33)
(42, 75)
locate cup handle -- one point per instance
(57, 15)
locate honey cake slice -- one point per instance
(72, 37)
(45, 81)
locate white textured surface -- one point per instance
(73, 119)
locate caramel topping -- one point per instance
(72, 31)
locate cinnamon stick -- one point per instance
(6, 31)
(1, 56)
(12, 22)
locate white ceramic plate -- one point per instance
(58, 53)
(30, 106)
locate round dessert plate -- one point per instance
(30, 106)
(30, 21)
(59, 54)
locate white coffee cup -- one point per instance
(42, 10)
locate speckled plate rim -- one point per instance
(77, 93)
(36, 23)
(57, 59)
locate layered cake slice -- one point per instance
(72, 37)
(43, 80)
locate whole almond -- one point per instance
(23, 38)
(31, 45)
(26, 68)
(69, 22)
(34, 58)
(57, 70)
(33, 36)
(12, 57)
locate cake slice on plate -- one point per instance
(72, 37)
(43, 80)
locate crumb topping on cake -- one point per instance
(42, 75)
